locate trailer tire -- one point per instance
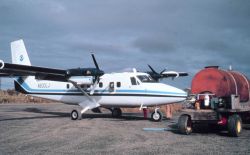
(185, 124)
(234, 125)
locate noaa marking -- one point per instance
(21, 57)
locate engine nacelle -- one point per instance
(1, 64)
(82, 80)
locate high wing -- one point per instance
(43, 73)
(15, 70)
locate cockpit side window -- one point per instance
(133, 80)
(145, 78)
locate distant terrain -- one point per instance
(12, 96)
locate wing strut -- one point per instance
(86, 105)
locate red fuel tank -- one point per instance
(220, 82)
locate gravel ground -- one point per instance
(47, 129)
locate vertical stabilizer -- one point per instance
(18, 53)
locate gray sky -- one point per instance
(174, 34)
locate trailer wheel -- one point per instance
(234, 125)
(185, 124)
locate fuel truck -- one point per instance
(218, 98)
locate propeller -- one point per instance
(97, 76)
(98, 72)
(165, 74)
(96, 64)
(93, 72)
(163, 71)
(155, 75)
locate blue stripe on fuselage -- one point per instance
(31, 90)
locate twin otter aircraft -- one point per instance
(91, 87)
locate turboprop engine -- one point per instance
(82, 80)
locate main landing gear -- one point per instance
(75, 114)
(116, 112)
(156, 116)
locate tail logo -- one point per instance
(21, 58)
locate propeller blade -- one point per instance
(94, 85)
(152, 69)
(163, 71)
(96, 64)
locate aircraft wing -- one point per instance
(14, 70)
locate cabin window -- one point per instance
(118, 84)
(133, 81)
(100, 85)
(111, 85)
(84, 86)
(67, 86)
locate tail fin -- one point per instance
(18, 53)
(20, 56)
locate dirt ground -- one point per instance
(47, 129)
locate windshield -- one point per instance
(145, 78)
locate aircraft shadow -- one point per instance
(124, 117)
(38, 111)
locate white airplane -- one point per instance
(88, 87)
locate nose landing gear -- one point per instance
(156, 116)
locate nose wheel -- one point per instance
(156, 116)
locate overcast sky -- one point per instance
(178, 35)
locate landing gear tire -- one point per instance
(116, 112)
(234, 125)
(185, 124)
(75, 115)
(156, 116)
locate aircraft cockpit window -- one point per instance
(133, 80)
(145, 78)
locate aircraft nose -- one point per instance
(181, 92)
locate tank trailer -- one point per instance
(218, 98)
